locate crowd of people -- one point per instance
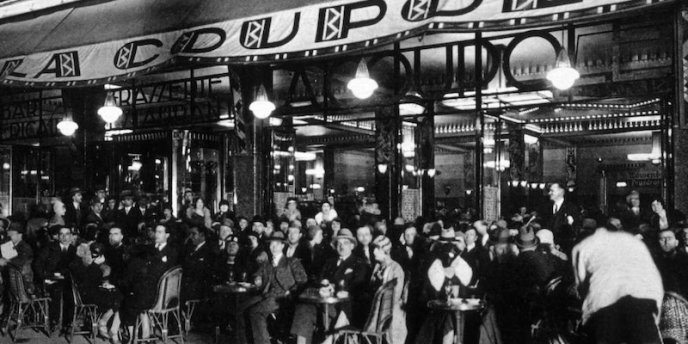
(558, 273)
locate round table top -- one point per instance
(462, 305)
(235, 288)
(313, 296)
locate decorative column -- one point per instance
(387, 133)
(426, 162)
(248, 151)
(677, 179)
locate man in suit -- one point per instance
(198, 257)
(165, 255)
(280, 280)
(364, 249)
(349, 275)
(129, 216)
(94, 214)
(562, 217)
(115, 253)
(52, 265)
(75, 214)
(22, 261)
(296, 248)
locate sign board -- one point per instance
(260, 35)
(31, 115)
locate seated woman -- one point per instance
(92, 280)
(385, 271)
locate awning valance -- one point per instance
(94, 42)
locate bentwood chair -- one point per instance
(165, 310)
(25, 311)
(88, 312)
(377, 327)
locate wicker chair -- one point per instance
(87, 311)
(166, 306)
(189, 309)
(25, 311)
(376, 329)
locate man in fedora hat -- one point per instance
(23, 258)
(280, 280)
(347, 273)
(129, 216)
(75, 214)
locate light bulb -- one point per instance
(382, 168)
(262, 107)
(563, 76)
(110, 112)
(411, 104)
(362, 86)
(67, 127)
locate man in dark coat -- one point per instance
(364, 249)
(129, 216)
(297, 248)
(115, 253)
(95, 213)
(281, 280)
(166, 256)
(21, 261)
(348, 275)
(75, 214)
(561, 217)
(53, 265)
(196, 264)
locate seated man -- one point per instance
(280, 279)
(22, 260)
(52, 267)
(348, 273)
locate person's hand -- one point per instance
(569, 219)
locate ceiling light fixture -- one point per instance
(262, 107)
(67, 126)
(110, 112)
(362, 86)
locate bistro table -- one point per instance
(457, 307)
(55, 285)
(312, 295)
(236, 289)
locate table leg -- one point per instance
(326, 320)
(459, 322)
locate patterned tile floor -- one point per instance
(31, 337)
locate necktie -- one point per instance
(64, 249)
(339, 262)
(158, 246)
(556, 208)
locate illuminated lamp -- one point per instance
(362, 86)
(262, 107)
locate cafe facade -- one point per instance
(465, 113)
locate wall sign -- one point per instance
(311, 31)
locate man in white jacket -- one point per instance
(622, 288)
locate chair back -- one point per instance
(381, 310)
(17, 290)
(76, 294)
(169, 287)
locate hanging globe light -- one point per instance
(362, 86)
(110, 112)
(563, 76)
(67, 127)
(262, 107)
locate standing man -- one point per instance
(561, 217)
(129, 216)
(94, 214)
(280, 279)
(75, 214)
(197, 260)
(621, 287)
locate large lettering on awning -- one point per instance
(313, 31)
